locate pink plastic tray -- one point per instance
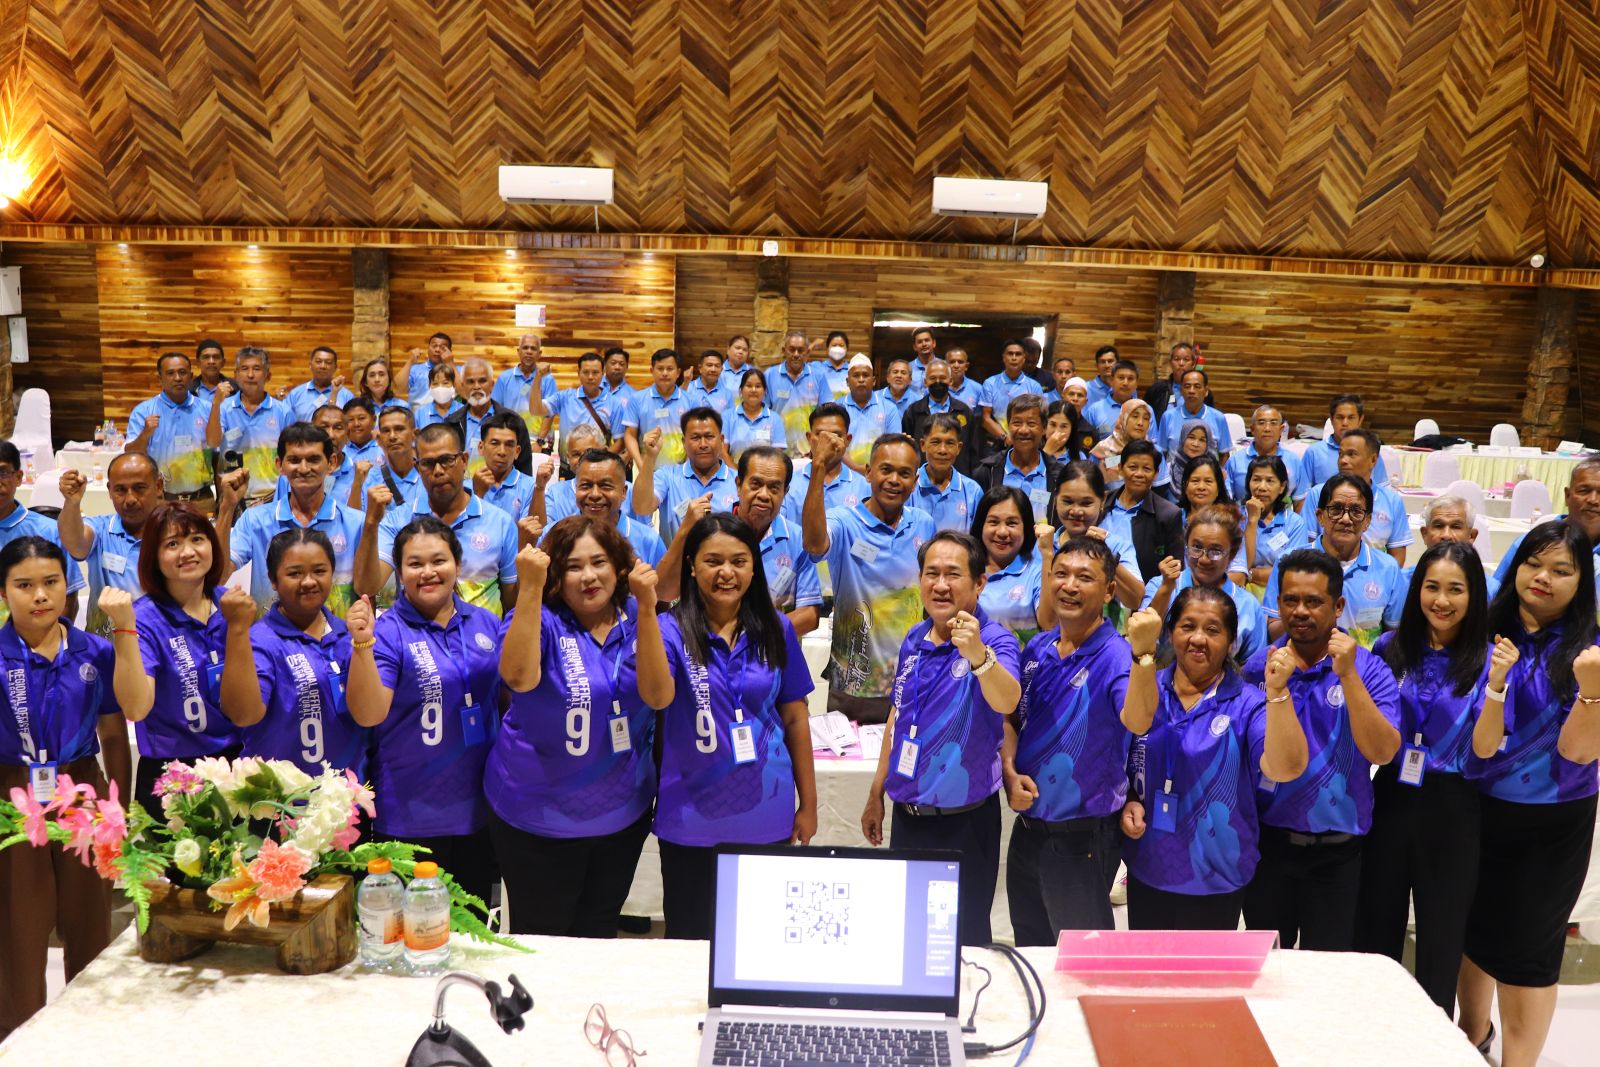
(1188, 956)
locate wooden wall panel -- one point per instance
(60, 298)
(1458, 354)
(716, 299)
(1588, 380)
(154, 298)
(1389, 130)
(593, 300)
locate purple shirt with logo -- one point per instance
(302, 681)
(183, 656)
(53, 707)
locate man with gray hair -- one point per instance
(514, 390)
(1266, 430)
(477, 381)
(1444, 518)
(794, 387)
(245, 425)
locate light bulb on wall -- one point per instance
(14, 178)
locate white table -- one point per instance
(85, 460)
(230, 1004)
(96, 498)
(1415, 500)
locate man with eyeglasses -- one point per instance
(17, 521)
(488, 574)
(170, 428)
(305, 459)
(1371, 578)
(1389, 527)
(1266, 431)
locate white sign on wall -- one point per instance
(530, 316)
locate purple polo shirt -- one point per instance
(1431, 707)
(53, 707)
(184, 658)
(302, 681)
(555, 768)
(940, 706)
(707, 798)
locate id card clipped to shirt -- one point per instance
(905, 764)
(1164, 810)
(1413, 762)
(42, 779)
(473, 730)
(743, 736)
(621, 741)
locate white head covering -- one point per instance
(859, 360)
(1075, 380)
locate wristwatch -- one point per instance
(987, 665)
(1146, 660)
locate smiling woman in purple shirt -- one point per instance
(1205, 737)
(1535, 752)
(169, 647)
(736, 738)
(571, 776)
(426, 676)
(283, 679)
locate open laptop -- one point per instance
(834, 955)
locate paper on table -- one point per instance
(832, 731)
(871, 740)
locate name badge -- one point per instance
(906, 765)
(233, 437)
(865, 552)
(1164, 812)
(183, 442)
(743, 736)
(1277, 539)
(1505, 743)
(683, 507)
(763, 436)
(42, 781)
(473, 731)
(114, 564)
(662, 413)
(1413, 762)
(620, 740)
(1038, 498)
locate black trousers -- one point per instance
(688, 882)
(468, 858)
(976, 835)
(1305, 892)
(1059, 877)
(567, 886)
(148, 768)
(1150, 908)
(1423, 847)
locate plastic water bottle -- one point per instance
(379, 905)
(427, 921)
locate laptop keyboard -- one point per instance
(802, 1045)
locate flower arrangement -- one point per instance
(248, 832)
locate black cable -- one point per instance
(1035, 1011)
(988, 979)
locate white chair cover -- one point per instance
(1504, 435)
(1424, 428)
(33, 428)
(1528, 496)
(1468, 491)
(1439, 469)
(1236, 432)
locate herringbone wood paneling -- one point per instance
(1440, 130)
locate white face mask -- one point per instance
(442, 394)
(836, 353)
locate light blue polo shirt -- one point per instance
(571, 412)
(743, 432)
(512, 495)
(428, 415)
(1118, 520)
(1103, 415)
(792, 580)
(511, 392)
(1174, 418)
(845, 491)
(337, 484)
(1098, 390)
(999, 391)
(1252, 619)
(113, 560)
(257, 527)
(24, 523)
(793, 398)
(1120, 547)
(833, 377)
(1237, 469)
(868, 422)
(969, 393)
(1279, 535)
(488, 539)
(178, 443)
(417, 383)
(1390, 526)
(409, 485)
(371, 452)
(1035, 483)
(1370, 581)
(718, 399)
(675, 486)
(254, 435)
(1320, 461)
(953, 506)
(905, 400)
(305, 398)
(561, 501)
(877, 599)
(1011, 595)
(649, 410)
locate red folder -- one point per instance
(1186, 1031)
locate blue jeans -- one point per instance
(1059, 876)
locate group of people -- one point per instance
(1095, 607)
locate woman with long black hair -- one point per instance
(1424, 838)
(736, 739)
(1535, 751)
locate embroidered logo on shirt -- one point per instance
(1079, 678)
(483, 641)
(480, 541)
(338, 542)
(1373, 590)
(1336, 696)
(88, 672)
(1219, 724)
(960, 668)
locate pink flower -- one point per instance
(279, 871)
(112, 825)
(33, 816)
(364, 796)
(349, 835)
(80, 823)
(178, 779)
(68, 793)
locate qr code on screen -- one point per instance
(817, 913)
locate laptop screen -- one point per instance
(849, 928)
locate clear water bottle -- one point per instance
(379, 905)
(427, 921)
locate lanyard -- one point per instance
(1174, 746)
(19, 708)
(616, 661)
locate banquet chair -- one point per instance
(1483, 545)
(1424, 428)
(1504, 435)
(47, 491)
(33, 428)
(1391, 463)
(1236, 432)
(1471, 492)
(1327, 428)
(1439, 469)
(1528, 496)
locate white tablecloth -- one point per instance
(85, 460)
(96, 498)
(1493, 471)
(230, 1005)
(1416, 499)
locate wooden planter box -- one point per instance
(314, 931)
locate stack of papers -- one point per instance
(834, 733)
